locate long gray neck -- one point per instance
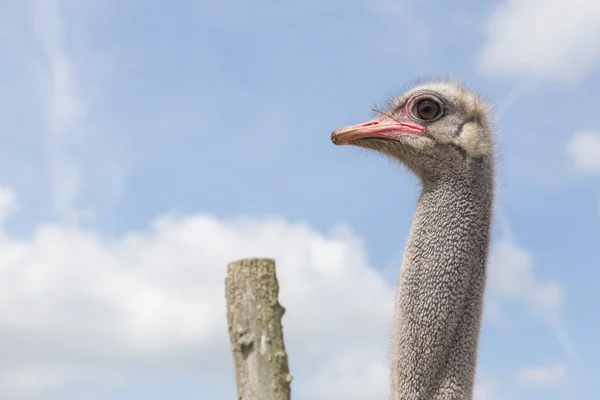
(440, 294)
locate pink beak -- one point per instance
(375, 128)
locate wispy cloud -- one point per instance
(8, 203)
(484, 390)
(512, 277)
(78, 156)
(31, 380)
(65, 109)
(511, 98)
(546, 375)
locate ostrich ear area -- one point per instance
(375, 128)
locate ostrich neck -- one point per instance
(440, 293)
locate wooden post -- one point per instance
(254, 320)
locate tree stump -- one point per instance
(255, 331)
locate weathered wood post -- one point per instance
(254, 320)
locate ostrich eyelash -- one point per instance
(384, 113)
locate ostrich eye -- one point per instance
(427, 109)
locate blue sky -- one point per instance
(145, 144)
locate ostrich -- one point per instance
(441, 132)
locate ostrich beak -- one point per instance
(375, 129)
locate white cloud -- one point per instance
(156, 299)
(548, 375)
(584, 151)
(542, 39)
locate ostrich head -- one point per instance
(433, 128)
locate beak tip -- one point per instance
(334, 138)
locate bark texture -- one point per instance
(255, 331)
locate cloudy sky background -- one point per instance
(146, 144)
